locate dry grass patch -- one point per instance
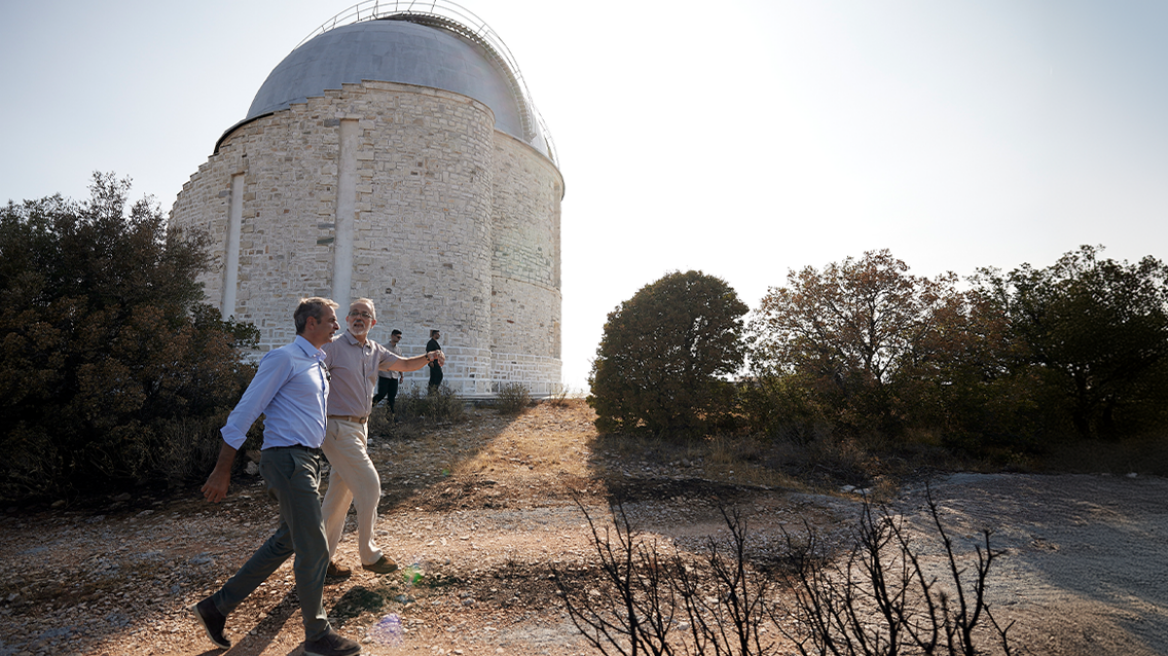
(743, 460)
(546, 439)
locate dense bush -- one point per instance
(111, 373)
(1017, 362)
(665, 357)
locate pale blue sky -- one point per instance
(743, 138)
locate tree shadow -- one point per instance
(1084, 551)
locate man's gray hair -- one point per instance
(366, 301)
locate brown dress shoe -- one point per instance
(383, 565)
(337, 571)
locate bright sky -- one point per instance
(743, 138)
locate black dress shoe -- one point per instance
(332, 644)
(213, 622)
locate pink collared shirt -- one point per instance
(354, 370)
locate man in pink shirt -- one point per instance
(353, 360)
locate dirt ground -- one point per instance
(1083, 570)
(478, 514)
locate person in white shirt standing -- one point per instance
(354, 361)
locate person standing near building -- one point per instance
(354, 361)
(435, 367)
(291, 390)
(387, 381)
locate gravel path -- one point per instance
(1084, 570)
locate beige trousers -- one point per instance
(353, 480)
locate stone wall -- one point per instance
(448, 223)
(525, 266)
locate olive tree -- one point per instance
(666, 354)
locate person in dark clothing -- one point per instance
(435, 368)
(388, 381)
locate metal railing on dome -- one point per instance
(457, 19)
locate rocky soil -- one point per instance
(480, 513)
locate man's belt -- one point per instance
(359, 420)
(314, 451)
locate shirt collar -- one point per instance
(353, 340)
(309, 350)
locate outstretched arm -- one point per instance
(415, 363)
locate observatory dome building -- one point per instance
(396, 156)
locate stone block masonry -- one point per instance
(444, 222)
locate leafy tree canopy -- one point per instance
(1096, 329)
(665, 354)
(106, 347)
(864, 345)
(859, 322)
(1018, 360)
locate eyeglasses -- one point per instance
(359, 313)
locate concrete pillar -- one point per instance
(231, 264)
(346, 213)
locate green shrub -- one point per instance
(665, 356)
(512, 399)
(782, 408)
(112, 368)
(437, 405)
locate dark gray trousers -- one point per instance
(292, 476)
